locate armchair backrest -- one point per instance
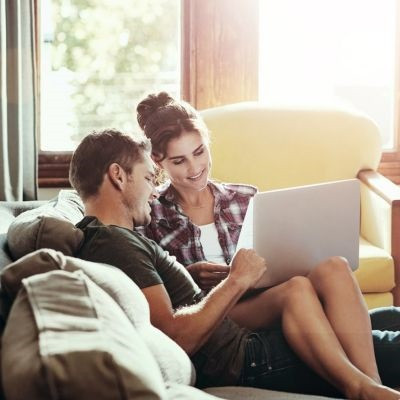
(274, 148)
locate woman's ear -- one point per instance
(155, 160)
(116, 175)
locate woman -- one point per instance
(194, 216)
(199, 221)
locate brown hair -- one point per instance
(96, 152)
(163, 118)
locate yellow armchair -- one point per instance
(274, 148)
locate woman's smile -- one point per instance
(196, 177)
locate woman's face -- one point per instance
(187, 161)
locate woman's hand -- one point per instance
(207, 274)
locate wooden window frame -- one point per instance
(54, 169)
(219, 67)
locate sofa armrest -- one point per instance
(381, 201)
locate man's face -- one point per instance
(140, 191)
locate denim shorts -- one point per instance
(271, 364)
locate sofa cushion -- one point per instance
(241, 393)
(374, 262)
(173, 362)
(176, 391)
(83, 347)
(51, 225)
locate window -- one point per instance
(98, 59)
(341, 51)
(218, 50)
(232, 50)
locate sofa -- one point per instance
(275, 148)
(72, 329)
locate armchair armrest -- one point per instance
(381, 202)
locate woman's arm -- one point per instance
(207, 274)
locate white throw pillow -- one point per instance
(174, 363)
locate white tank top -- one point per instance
(210, 243)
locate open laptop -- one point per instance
(294, 229)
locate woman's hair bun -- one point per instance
(150, 105)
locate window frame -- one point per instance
(210, 54)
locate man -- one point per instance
(114, 176)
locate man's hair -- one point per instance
(97, 151)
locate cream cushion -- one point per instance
(293, 146)
(79, 348)
(374, 262)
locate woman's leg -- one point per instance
(247, 311)
(345, 308)
(311, 336)
(343, 305)
(385, 322)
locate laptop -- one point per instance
(294, 229)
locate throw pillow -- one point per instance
(76, 343)
(37, 262)
(51, 225)
(173, 362)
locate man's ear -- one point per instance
(117, 176)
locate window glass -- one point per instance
(317, 52)
(98, 59)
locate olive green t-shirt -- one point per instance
(219, 361)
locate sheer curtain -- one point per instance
(18, 155)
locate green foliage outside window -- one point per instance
(115, 53)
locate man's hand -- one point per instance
(207, 274)
(247, 267)
(191, 326)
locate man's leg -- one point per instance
(386, 335)
(385, 318)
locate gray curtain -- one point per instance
(18, 106)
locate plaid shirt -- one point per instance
(173, 230)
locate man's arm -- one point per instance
(191, 326)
